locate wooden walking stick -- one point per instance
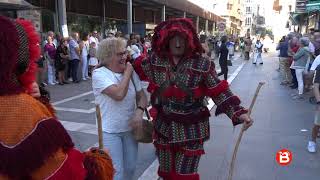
(99, 121)
(234, 156)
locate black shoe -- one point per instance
(77, 81)
(254, 63)
(61, 84)
(294, 87)
(66, 82)
(261, 63)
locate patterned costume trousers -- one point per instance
(178, 161)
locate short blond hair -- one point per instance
(108, 48)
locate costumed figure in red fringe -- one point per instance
(33, 143)
(179, 80)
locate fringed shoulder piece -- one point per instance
(32, 135)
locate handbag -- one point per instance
(142, 130)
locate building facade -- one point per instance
(232, 11)
(139, 16)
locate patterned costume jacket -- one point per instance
(178, 96)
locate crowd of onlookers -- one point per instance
(299, 57)
(72, 59)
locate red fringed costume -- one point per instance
(181, 118)
(33, 143)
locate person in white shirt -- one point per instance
(94, 38)
(316, 81)
(84, 46)
(117, 89)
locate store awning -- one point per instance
(313, 6)
(9, 5)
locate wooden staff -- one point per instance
(99, 121)
(234, 156)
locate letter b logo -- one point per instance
(284, 157)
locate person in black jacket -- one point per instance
(223, 60)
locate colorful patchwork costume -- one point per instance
(178, 92)
(33, 143)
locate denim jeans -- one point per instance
(74, 69)
(123, 149)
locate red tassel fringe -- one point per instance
(235, 118)
(31, 153)
(8, 57)
(72, 167)
(152, 87)
(137, 65)
(174, 91)
(28, 77)
(175, 176)
(99, 165)
(220, 88)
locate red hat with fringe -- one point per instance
(19, 49)
(170, 28)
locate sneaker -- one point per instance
(312, 147)
(88, 77)
(84, 79)
(298, 97)
(70, 79)
(52, 83)
(294, 94)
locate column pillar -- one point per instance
(184, 14)
(206, 26)
(129, 16)
(62, 17)
(197, 24)
(163, 14)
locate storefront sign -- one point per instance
(221, 26)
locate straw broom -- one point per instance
(234, 156)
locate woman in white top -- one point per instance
(121, 100)
(84, 46)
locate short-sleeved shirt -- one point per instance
(51, 49)
(115, 114)
(73, 45)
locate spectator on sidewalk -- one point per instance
(62, 58)
(75, 55)
(300, 64)
(93, 61)
(292, 49)
(315, 68)
(50, 55)
(284, 61)
(247, 48)
(117, 96)
(84, 46)
(94, 38)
